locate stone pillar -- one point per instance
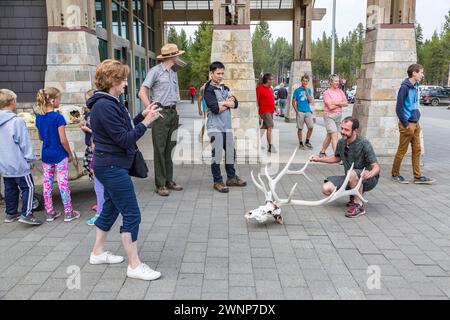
(232, 45)
(298, 69)
(72, 57)
(302, 55)
(72, 49)
(389, 48)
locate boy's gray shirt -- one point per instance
(221, 121)
(16, 149)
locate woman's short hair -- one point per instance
(332, 77)
(110, 73)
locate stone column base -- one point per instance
(298, 70)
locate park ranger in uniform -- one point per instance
(161, 85)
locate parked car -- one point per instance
(423, 88)
(435, 97)
(351, 94)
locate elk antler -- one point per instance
(273, 182)
(342, 192)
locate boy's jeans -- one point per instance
(12, 186)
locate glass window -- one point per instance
(141, 33)
(124, 3)
(100, 13)
(135, 30)
(117, 54)
(138, 8)
(138, 83)
(125, 31)
(143, 70)
(102, 49)
(151, 40)
(151, 18)
(115, 19)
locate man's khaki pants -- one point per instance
(410, 135)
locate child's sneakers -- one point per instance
(52, 216)
(71, 216)
(12, 217)
(92, 220)
(31, 220)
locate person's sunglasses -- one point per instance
(346, 149)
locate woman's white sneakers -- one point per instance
(143, 272)
(105, 258)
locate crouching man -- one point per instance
(352, 148)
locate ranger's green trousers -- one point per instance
(163, 143)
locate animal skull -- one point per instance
(274, 202)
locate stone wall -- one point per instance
(23, 48)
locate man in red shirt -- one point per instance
(192, 91)
(266, 104)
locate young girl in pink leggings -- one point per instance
(56, 153)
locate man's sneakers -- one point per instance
(52, 216)
(31, 220)
(236, 182)
(12, 217)
(301, 146)
(419, 180)
(424, 180)
(162, 191)
(143, 272)
(172, 185)
(105, 258)
(220, 186)
(271, 149)
(356, 210)
(400, 179)
(308, 145)
(71, 216)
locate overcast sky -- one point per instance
(430, 15)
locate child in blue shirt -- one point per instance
(56, 153)
(301, 102)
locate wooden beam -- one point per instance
(318, 13)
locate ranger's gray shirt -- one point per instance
(163, 85)
(222, 121)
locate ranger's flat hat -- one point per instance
(168, 51)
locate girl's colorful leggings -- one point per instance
(62, 176)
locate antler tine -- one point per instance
(301, 171)
(259, 186)
(356, 189)
(281, 202)
(273, 182)
(339, 193)
(315, 203)
(282, 172)
(342, 192)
